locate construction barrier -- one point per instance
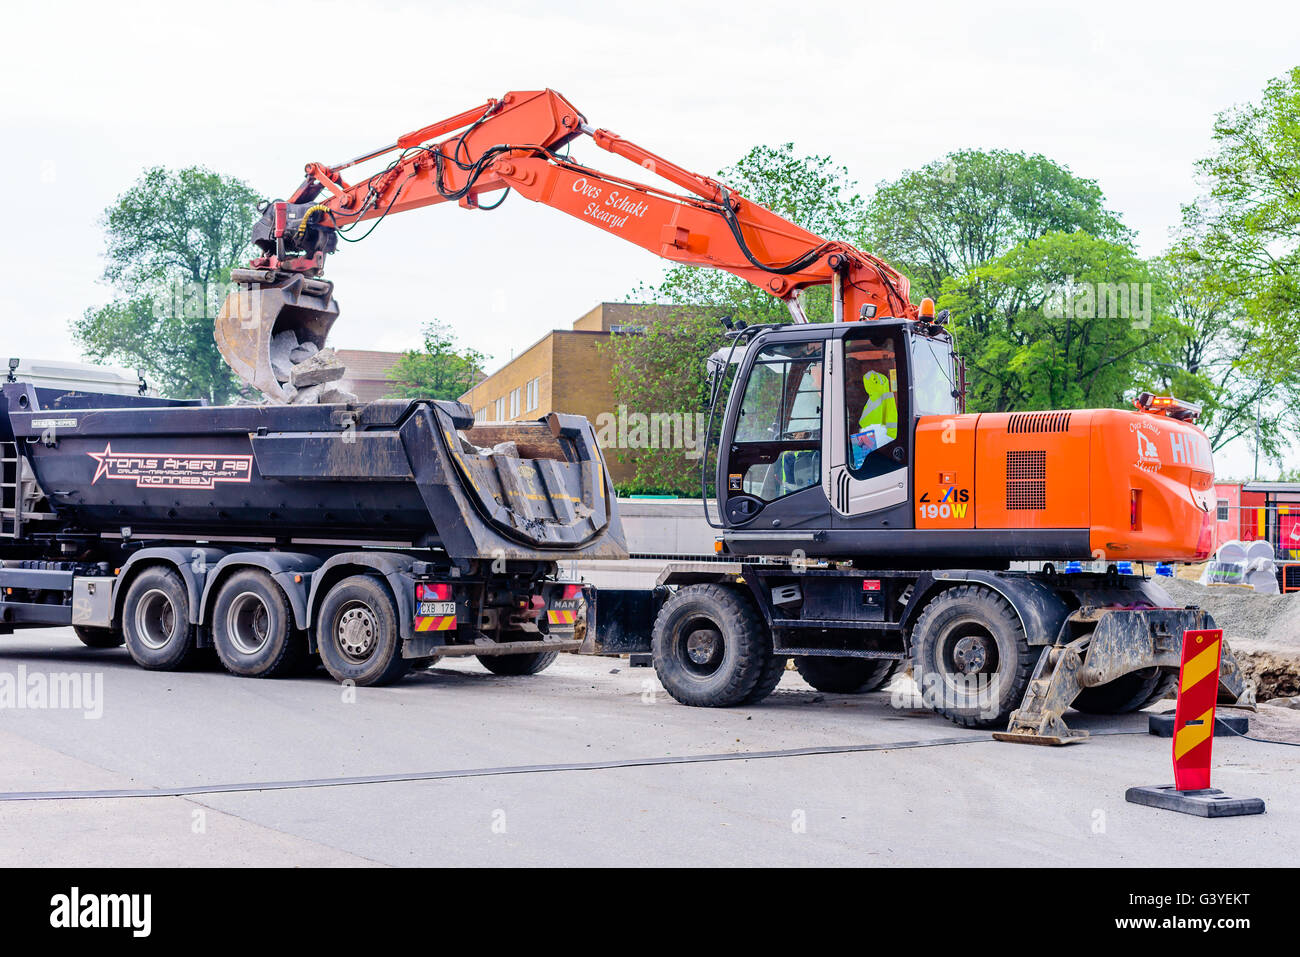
(1193, 738)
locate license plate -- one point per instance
(431, 609)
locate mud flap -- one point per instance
(1124, 640)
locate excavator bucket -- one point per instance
(264, 305)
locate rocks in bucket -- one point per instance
(308, 374)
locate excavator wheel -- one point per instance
(1130, 692)
(846, 675)
(712, 648)
(971, 658)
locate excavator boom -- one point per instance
(515, 143)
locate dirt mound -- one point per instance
(1263, 631)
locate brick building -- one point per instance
(564, 371)
(368, 372)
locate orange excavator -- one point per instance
(843, 444)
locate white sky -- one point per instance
(1124, 93)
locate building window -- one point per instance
(514, 403)
(500, 411)
(480, 415)
(1223, 510)
(530, 394)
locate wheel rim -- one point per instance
(357, 631)
(967, 652)
(155, 619)
(701, 648)
(248, 623)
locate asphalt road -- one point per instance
(974, 802)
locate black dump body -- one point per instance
(407, 473)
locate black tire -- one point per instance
(846, 675)
(768, 680)
(99, 637)
(1166, 687)
(357, 633)
(1130, 692)
(156, 620)
(971, 658)
(252, 627)
(711, 648)
(516, 665)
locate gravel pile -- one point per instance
(1262, 630)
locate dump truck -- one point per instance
(373, 537)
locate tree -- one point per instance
(1210, 347)
(172, 239)
(1062, 321)
(961, 212)
(662, 369)
(442, 370)
(1246, 230)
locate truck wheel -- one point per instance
(99, 637)
(156, 621)
(518, 664)
(357, 633)
(846, 675)
(971, 658)
(1126, 693)
(252, 627)
(710, 646)
(768, 680)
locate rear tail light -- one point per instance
(427, 591)
(1205, 541)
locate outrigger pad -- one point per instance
(1208, 802)
(1225, 725)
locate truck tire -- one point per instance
(156, 620)
(252, 627)
(1130, 692)
(1166, 687)
(768, 680)
(710, 646)
(357, 632)
(99, 637)
(846, 675)
(516, 665)
(971, 658)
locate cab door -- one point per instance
(770, 471)
(867, 423)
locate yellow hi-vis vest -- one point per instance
(881, 407)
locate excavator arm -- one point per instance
(519, 143)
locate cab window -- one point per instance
(874, 405)
(777, 444)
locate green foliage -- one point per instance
(441, 370)
(172, 239)
(1244, 234)
(1209, 361)
(961, 212)
(1057, 323)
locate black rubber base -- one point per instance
(1210, 802)
(641, 661)
(1225, 725)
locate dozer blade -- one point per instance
(266, 304)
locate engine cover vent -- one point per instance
(1027, 480)
(1022, 422)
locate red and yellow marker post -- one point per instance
(1193, 738)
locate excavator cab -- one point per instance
(817, 438)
